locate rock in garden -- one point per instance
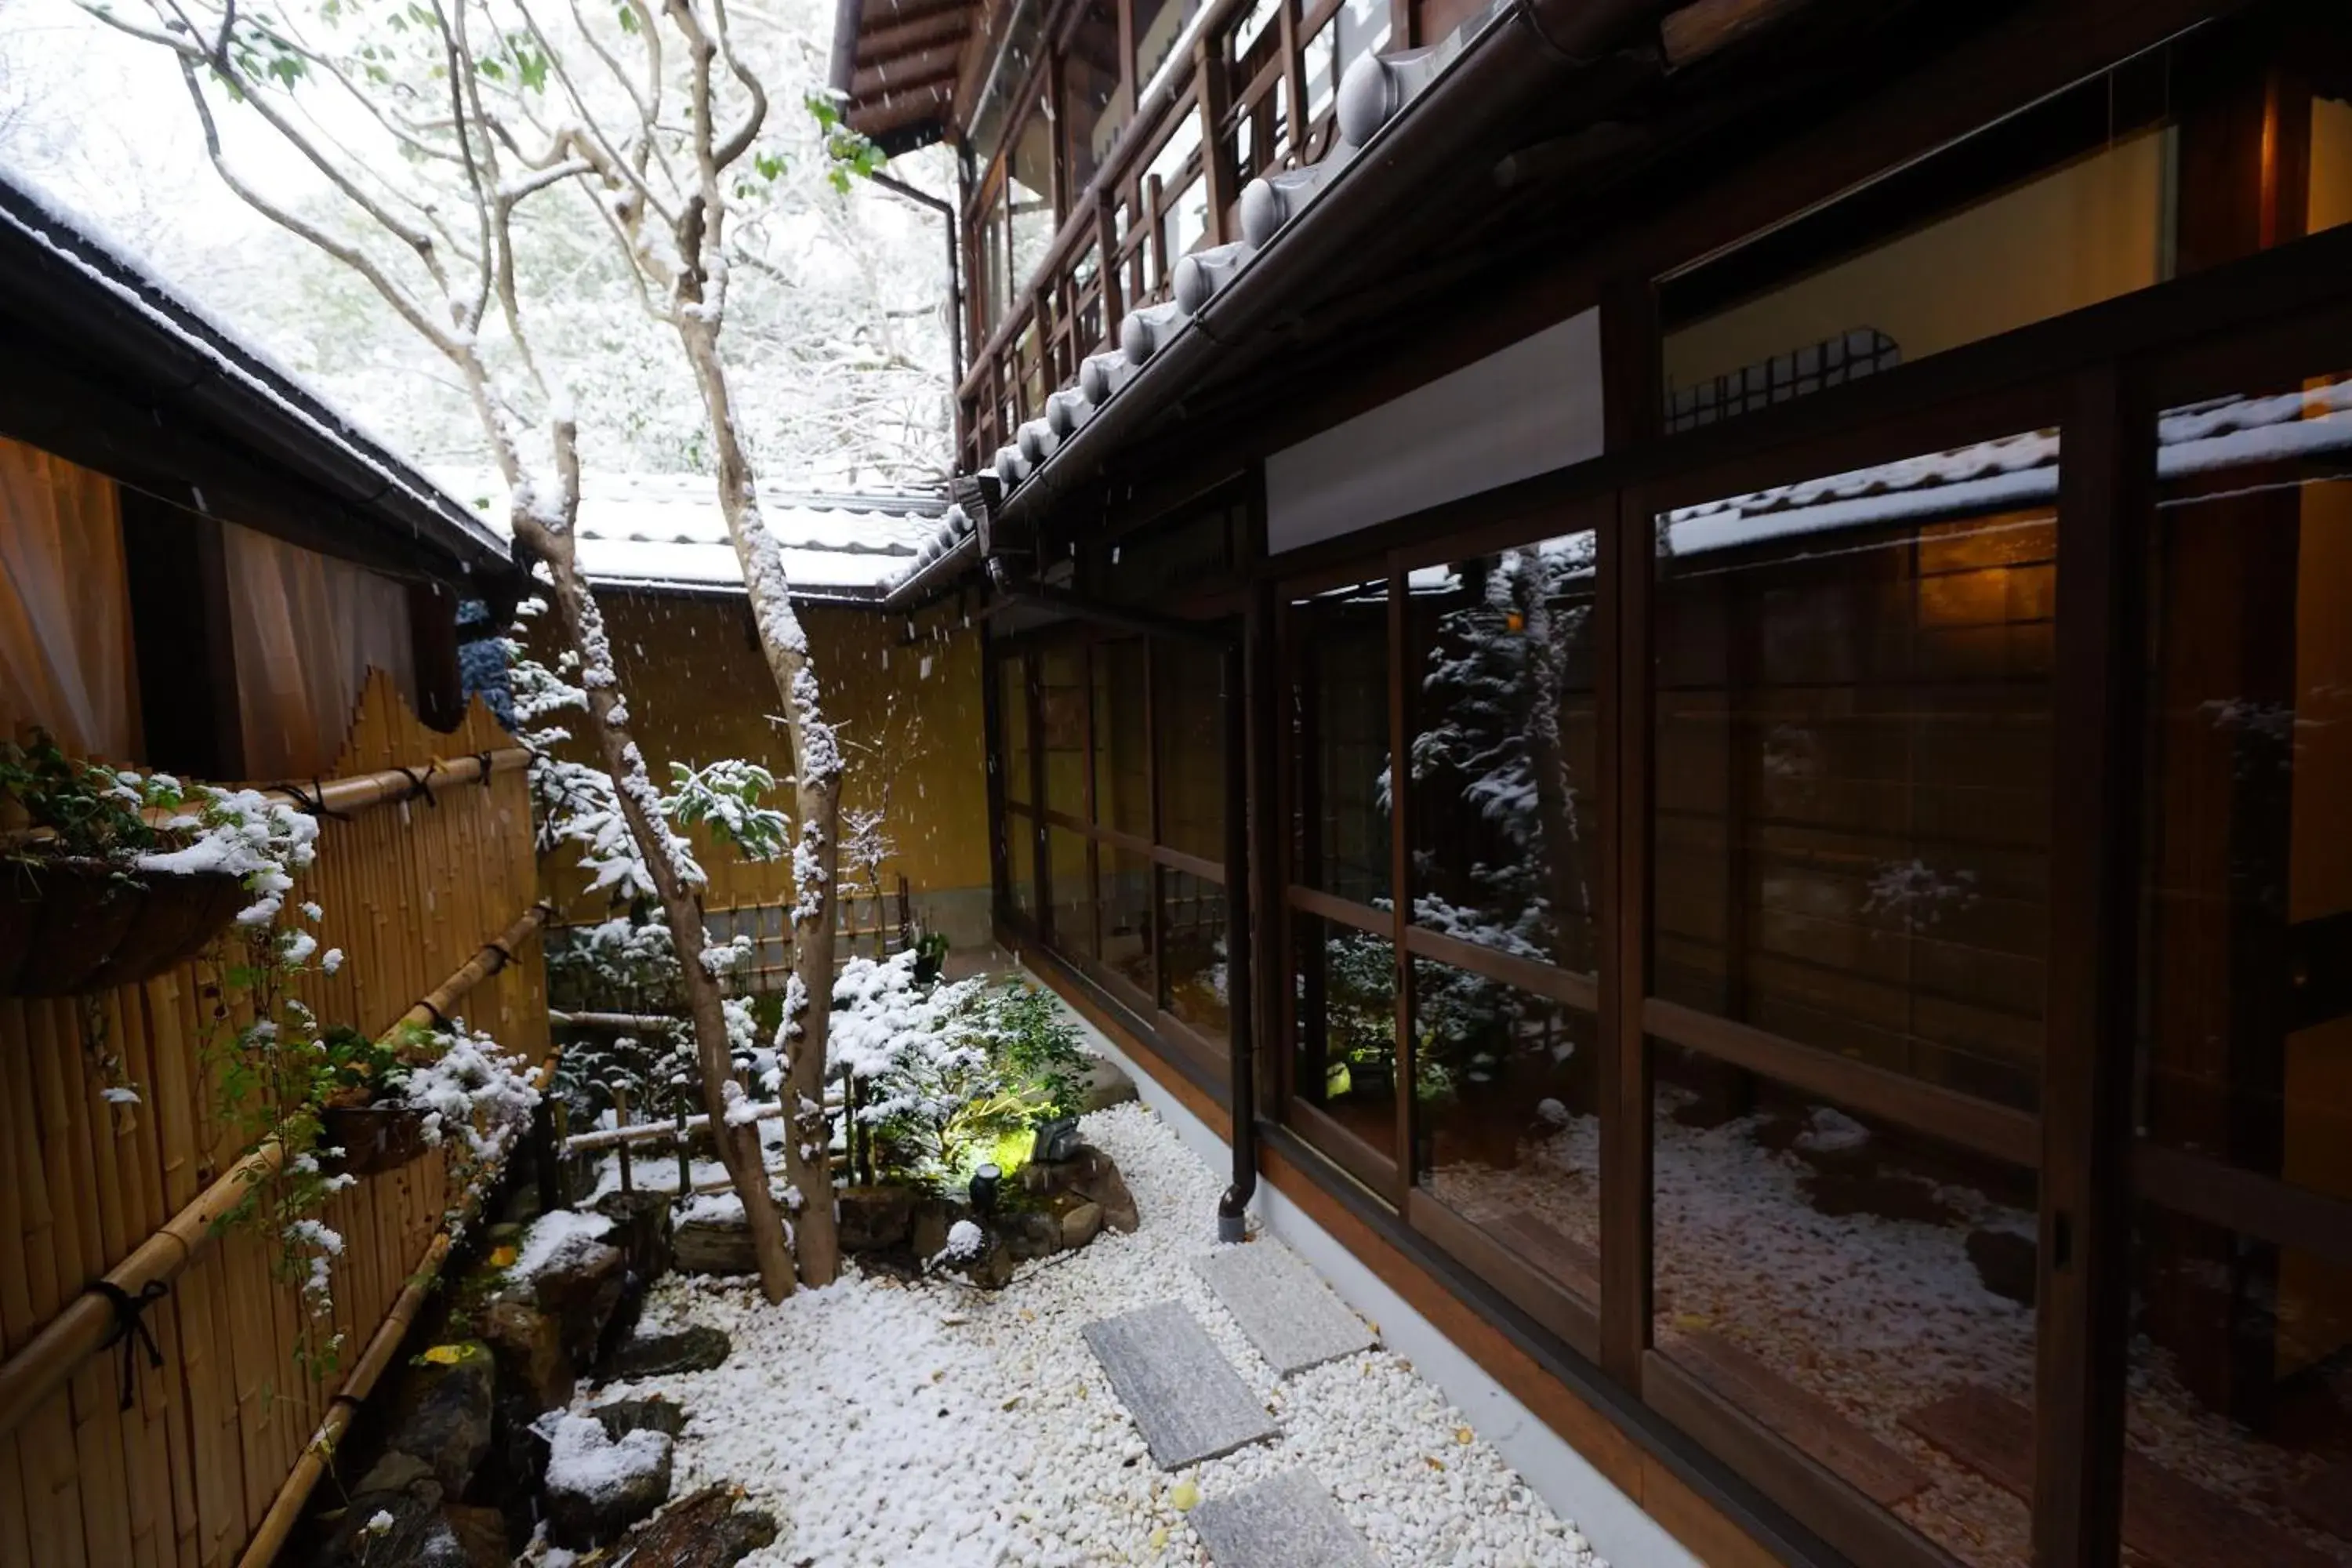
(876, 1217)
(1090, 1176)
(482, 1534)
(408, 1529)
(1106, 1086)
(1081, 1224)
(622, 1417)
(2005, 1263)
(693, 1349)
(597, 1488)
(529, 1346)
(641, 1229)
(927, 1233)
(444, 1416)
(579, 1290)
(715, 1242)
(703, 1531)
(1033, 1233)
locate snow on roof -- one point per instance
(666, 531)
(109, 265)
(2019, 470)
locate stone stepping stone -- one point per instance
(1289, 1521)
(1288, 1314)
(1189, 1403)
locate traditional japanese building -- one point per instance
(1688, 665)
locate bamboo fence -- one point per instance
(424, 877)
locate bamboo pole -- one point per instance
(276, 1525)
(618, 1023)
(358, 791)
(652, 1131)
(80, 1329)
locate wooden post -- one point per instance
(2107, 477)
(1216, 98)
(621, 1122)
(685, 1154)
(1629, 351)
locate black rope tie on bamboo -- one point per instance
(505, 957)
(314, 804)
(130, 1328)
(419, 784)
(484, 758)
(440, 1019)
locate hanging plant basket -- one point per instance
(69, 926)
(375, 1138)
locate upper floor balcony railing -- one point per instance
(1089, 191)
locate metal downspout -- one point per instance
(1241, 1028)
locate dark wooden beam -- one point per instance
(930, 67)
(2083, 1258)
(949, 25)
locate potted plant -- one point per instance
(366, 1113)
(111, 876)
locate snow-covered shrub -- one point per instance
(725, 799)
(951, 1075)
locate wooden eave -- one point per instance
(897, 67)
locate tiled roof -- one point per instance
(665, 530)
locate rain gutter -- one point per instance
(1528, 55)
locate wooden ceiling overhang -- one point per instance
(896, 63)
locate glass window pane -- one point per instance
(1344, 1028)
(1123, 894)
(1158, 24)
(1190, 714)
(2247, 1054)
(1340, 741)
(1019, 837)
(1094, 92)
(1853, 755)
(1062, 711)
(1074, 893)
(1322, 72)
(1122, 757)
(2242, 1345)
(1862, 1290)
(1363, 29)
(1193, 919)
(1013, 721)
(2331, 156)
(1506, 777)
(1029, 183)
(2238, 1410)
(1506, 1119)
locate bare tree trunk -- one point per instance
(816, 788)
(739, 1146)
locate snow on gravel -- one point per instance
(935, 1426)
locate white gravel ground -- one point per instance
(938, 1427)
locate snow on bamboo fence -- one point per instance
(427, 873)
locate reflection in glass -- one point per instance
(1344, 1025)
(1861, 1291)
(1505, 774)
(1189, 715)
(1123, 891)
(1072, 883)
(1192, 923)
(2240, 1402)
(1062, 715)
(1019, 841)
(2243, 1346)
(1122, 756)
(1853, 762)
(1184, 199)
(1339, 714)
(1158, 24)
(1013, 721)
(1030, 185)
(1506, 1120)
(1095, 93)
